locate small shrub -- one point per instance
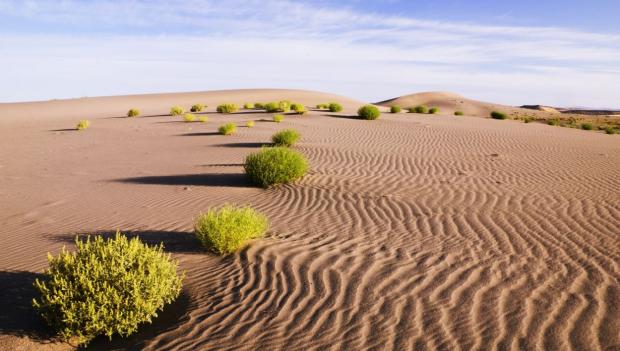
(275, 165)
(458, 113)
(188, 117)
(334, 107)
(322, 106)
(528, 119)
(278, 118)
(176, 110)
(395, 109)
(553, 122)
(433, 110)
(298, 108)
(587, 126)
(227, 108)
(610, 130)
(203, 119)
(134, 112)
(249, 124)
(284, 106)
(286, 137)
(259, 105)
(418, 109)
(106, 287)
(498, 115)
(272, 107)
(248, 106)
(197, 107)
(83, 124)
(227, 229)
(369, 112)
(228, 129)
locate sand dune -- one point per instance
(410, 232)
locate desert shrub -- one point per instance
(259, 105)
(395, 109)
(433, 110)
(553, 122)
(176, 110)
(82, 124)
(227, 229)
(275, 165)
(249, 124)
(134, 112)
(458, 113)
(278, 118)
(334, 107)
(108, 286)
(498, 115)
(418, 109)
(528, 119)
(227, 108)
(248, 106)
(227, 129)
(323, 106)
(610, 130)
(369, 112)
(587, 126)
(203, 119)
(272, 107)
(284, 106)
(188, 117)
(197, 107)
(298, 108)
(286, 137)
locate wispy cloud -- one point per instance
(109, 47)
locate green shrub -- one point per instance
(203, 119)
(369, 112)
(527, 119)
(106, 287)
(498, 115)
(610, 130)
(587, 126)
(553, 122)
(82, 124)
(134, 112)
(395, 109)
(249, 124)
(228, 129)
(197, 107)
(188, 117)
(227, 229)
(275, 165)
(278, 118)
(286, 137)
(227, 108)
(272, 107)
(259, 105)
(334, 107)
(284, 105)
(248, 106)
(298, 108)
(458, 113)
(433, 110)
(176, 110)
(418, 109)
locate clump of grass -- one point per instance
(272, 107)
(334, 107)
(259, 105)
(248, 106)
(275, 165)
(554, 122)
(197, 107)
(227, 129)
(528, 119)
(458, 113)
(227, 229)
(286, 137)
(203, 119)
(300, 109)
(610, 130)
(106, 287)
(227, 108)
(82, 124)
(418, 109)
(433, 110)
(395, 109)
(188, 117)
(249, 124)
(278, 118)
(134, 112)
(587, 126)
(176, 110)
(323, 106)
(498, 115)
(369, 112)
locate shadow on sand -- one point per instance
(200, 134)
(342, 116)
(214, 179)
(252, 145)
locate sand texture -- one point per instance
(411, 232)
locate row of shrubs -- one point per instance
(415, 109)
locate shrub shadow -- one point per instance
(343, 116)
(64, 130)
(200, 134)
(214, 179)
(254, 145)
(223, 165)
(138, 117)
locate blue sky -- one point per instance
(562, 53)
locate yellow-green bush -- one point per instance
(369, 112)
(227, 108)
(249, 106)
(134, 112)
(278, 118)
(275, 165)
(82, 124)
(106, 287)
(259, 105)
(498, 115)
(227, 229)
(203, 119)
(188, 117)
(298, 108)
(249, 124)
(197, 107)
(395, 109)
(176, 110)
(334, 107)
(272, 107)
(433, 110)
(418, 109)
(286, 137)
(228, 129)
(284, 105)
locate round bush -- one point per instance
(433, 110)
(106, 287)
(278, 118)
(227, 229)
(498, 115)
(458, 113)
(203, 119)
(284, 106)
(418, 109)
(395, 109)
(286, 137)
(259, 105)
(227, 108)
(228, 129)
(82, 124)
(553, 122)
(275, 165)
(610, 130)
(188, 117)
(176, 110)
(369, 112)
(134, 112)
(272, 107)
(197, 107)
(298, 108)
(334, 107)
(249, 124)
(248, 106)
(587, 126)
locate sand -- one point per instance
(409, 232)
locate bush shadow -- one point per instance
(64, 130)
(139, 116)
(213, 179)
(200, 134)
(342, 116)
(252, 145)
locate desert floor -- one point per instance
(409, 232)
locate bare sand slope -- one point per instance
(409, 232)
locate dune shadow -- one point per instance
(244, 144)
(342, 116)
(213, 179)
(200, 134)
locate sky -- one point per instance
(559, 53)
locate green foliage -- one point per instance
(197, 107)
(272, 107)
(106, 287)
(227, 229)
(369, 112)
(323, 106)
(248, 106)
(259, 105)
(286, 137)
(433, 110)
(498, 115)
(458, 113)
(227, 108)
(82, 124)
(134, 112)
(176, 110)
(203, 119)
(553, 122)
(587, 126)
(528, 119)
(278, 118)
(298, 108)
(418, 109)
(249, 124)
(188, 117)
(395, 109)
(284, 106)
(610, 130)
(228, 129)
(275, 165)
(334, 107)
